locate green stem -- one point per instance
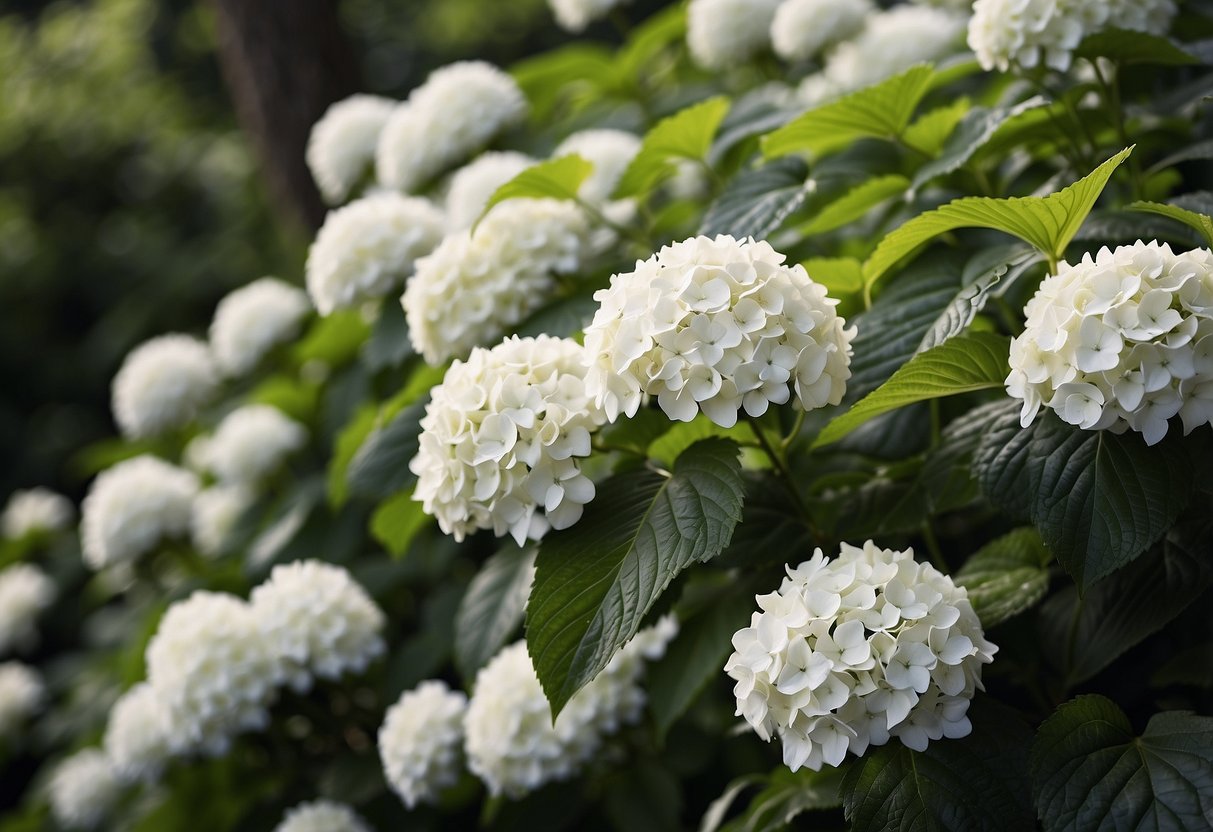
(787, 441)
(779, 461)
(928, 536)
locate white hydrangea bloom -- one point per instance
(475, 183)
(25, 591)
(421, 742)
(214, 515)
(853, 650)
(21, 695)
(476, 286)
(803, 28)
(575, 15)
(341, 147)
(501, 438)
(367, 248)
(318, 620)
(162, 385)
(132, 506)
(722, 33)
(892, 42)
(716, 325)
(610, 151)
(35, 510)
(1120, 340)
(322, 816)
(252, 320)
(212, 670)
(137, 735)
(252, 442)
(450, 117)
(511, 743)
(83, 790)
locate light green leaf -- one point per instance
(930, 131)
(978, 127)
(492, 608)
(682, 435)
(333, 339)
(855, 203)
(1008, 575)
(554, 179)
(756, 202)
(685, 135)
(397, 521)
(1201, 222)
(648, 40)
(840, 275)
(1127, 48)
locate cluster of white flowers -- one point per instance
(251, 443)
(214, 514)
(450, 117)
(716, 325)
(512, 744)
(318, 621)
(35, 510)
(25, 591)
(132, 506)
(1029, 33)
(501, 439)
(802, 29)
(137, 735)
(341, 147)
(575, 15)
(473, 185)
(1121, 339)
(369, 247)
(252, 320)
(322, 816)
(421, 742)
(477, 285)
(162, 384)
(21, 695)
(723, 33)
(83, 789)
(610, 151)
(855, 649)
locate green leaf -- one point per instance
(397, 521)
(1091, 774)
(880, 111)
(788, 794)
(855, 203)
(771, 529)
(548, 78)
(649, 39)
(682, 435)
(294, 397)
(977, 128)
(1126, 47)
(1201, 222)
(840, 275)
(595, 582)
(389, 344)
(333, 339)
(554, 179)
(492, 608)
(930, 132)
(1008, 575)
(348, 441)
(756, 202)
(685, 135)
(381, 466)
(976, 361)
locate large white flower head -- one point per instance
(322, 816)
(162, 385)
(35, 510)
(473, 185)
(83, 789)
(137, 735)
(367, 248)
(318, 620)
(479, 284)
(610, 151)
(212, 670)
(252, 442)
(892, 42)
(214, 515)
(25, 591)
(501, 439)
(1120, 340)
(855, 649)
(450, 117)
(723, 33)
(341, 147)
(421, 742)
(21, 695)
(575, 15)
(716, 325)
(803, 28)
(252, 320)
(132, 506)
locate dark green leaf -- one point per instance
(756, 202)
(788, 795)
(771, 529)
(381, 466)
(492, 608)
(1126, 47)
(389, 344)
(1008, 575)
(977, 128)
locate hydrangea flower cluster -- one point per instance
(421, 742)
(252, 320)
(575, 15)
(853, 650)
(723, 33)
(21, 695)
(132, 506)
(137, 735)
(454, 114)
(1120, 340)
(84, 789)
(802, 29)
(162, 384)
(369, 247)
(322, 816)
(477, 285)
(25, 591)
(501, 438)
(251, 443)
(473, 185)
(341, 147)
(35, 510)
(716, 325)
(214, 514)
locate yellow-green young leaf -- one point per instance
(682, 435)
(552, 77)
(841, 276)
(554, 179)
(929, 132)
(880, 111)
(396, 522)
(974, 361)
(648, 40)
(685, 135)
(1201, 222)
(334, 339)
(855, 203)
(1008, 575)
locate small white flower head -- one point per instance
(251, 443)
(341, 147)
(162, 385)
(137, 735)
(21, 695)
(318, 620)
(892, 42)
(449, 118)
(35, 510)
(214, 515)
(252, 320)
(367, 248)
(473, 185)
(716, 325)
(802, 29)
(723, 33)
(83, 790)
(1120, 340)
(853, 650)
(575, 15)
(212, 670)
(25, 591)
(478, 285)
(421, 742)
(502, 437)
(322, 816)
(610, 151)
(132, 506)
